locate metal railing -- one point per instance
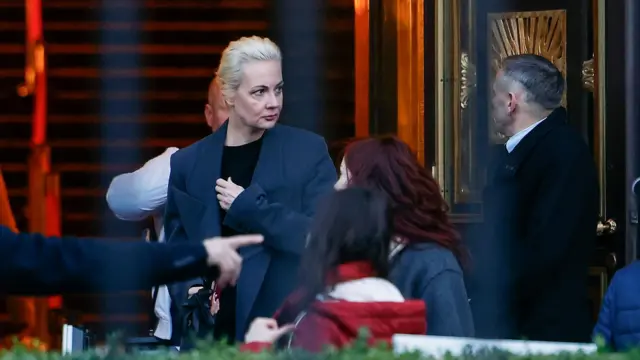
(44, 185)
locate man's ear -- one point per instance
(511, 105)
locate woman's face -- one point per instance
(345, 175)
(258, 101)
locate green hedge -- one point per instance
(358, 351)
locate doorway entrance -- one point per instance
(431, 65)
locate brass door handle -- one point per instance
(606, 227)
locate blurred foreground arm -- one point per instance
(38, 265)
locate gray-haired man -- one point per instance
(541, 211)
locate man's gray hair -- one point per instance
(540, 78)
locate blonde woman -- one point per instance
(251, 175)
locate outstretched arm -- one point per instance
(38, 265)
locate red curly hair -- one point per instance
(420, 212)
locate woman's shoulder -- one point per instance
(429, 258)
(298, 136)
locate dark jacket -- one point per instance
(432, 273)
(619, 319)
(36, 265)
(294, 171)
(531, 260)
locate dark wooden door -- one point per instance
(571, 30)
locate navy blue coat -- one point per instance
(619, 319)
(294, 171)
(432, 273)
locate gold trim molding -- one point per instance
(409, 18)
(588, 74)
(467, 79)
(600, 114)
(532, 32)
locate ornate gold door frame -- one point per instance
(455, 129)
(406, 19)
(542, 32)
(597, 84)
(410, 73)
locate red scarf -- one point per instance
(351, 271)
(346, 272)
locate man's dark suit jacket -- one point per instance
(541, 208)
(294, 171)
(36, 265)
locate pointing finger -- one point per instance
(244, 240)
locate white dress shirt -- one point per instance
(515, 139)
(136, 196)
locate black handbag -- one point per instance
(197, 322)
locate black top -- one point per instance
(238, 163)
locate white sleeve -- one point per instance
(142, 193)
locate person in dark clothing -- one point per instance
(238, 165)
(619, 319)
(427, 254)
(251, 175)
(541, 207)
(37, 265)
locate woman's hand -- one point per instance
(266, 330)
(193, 290)
(227, 192)
(215, 302)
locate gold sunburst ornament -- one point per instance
(542, 33)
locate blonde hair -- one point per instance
(236, 55)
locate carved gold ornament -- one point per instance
(588, 74)
(537, 32)
(467, 79)
(542, 33)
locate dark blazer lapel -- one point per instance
(202, 180)
(528, 143)
(269, 172)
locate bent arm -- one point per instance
(283, 229)
(142, 193)
(38, 265)
(448, 308)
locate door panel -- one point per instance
(482, 33)
(467, 38)
(565, 32)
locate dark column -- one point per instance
(632, 93)
(383, 81)
(120, 120)
(297, 29)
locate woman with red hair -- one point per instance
(427, 254)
